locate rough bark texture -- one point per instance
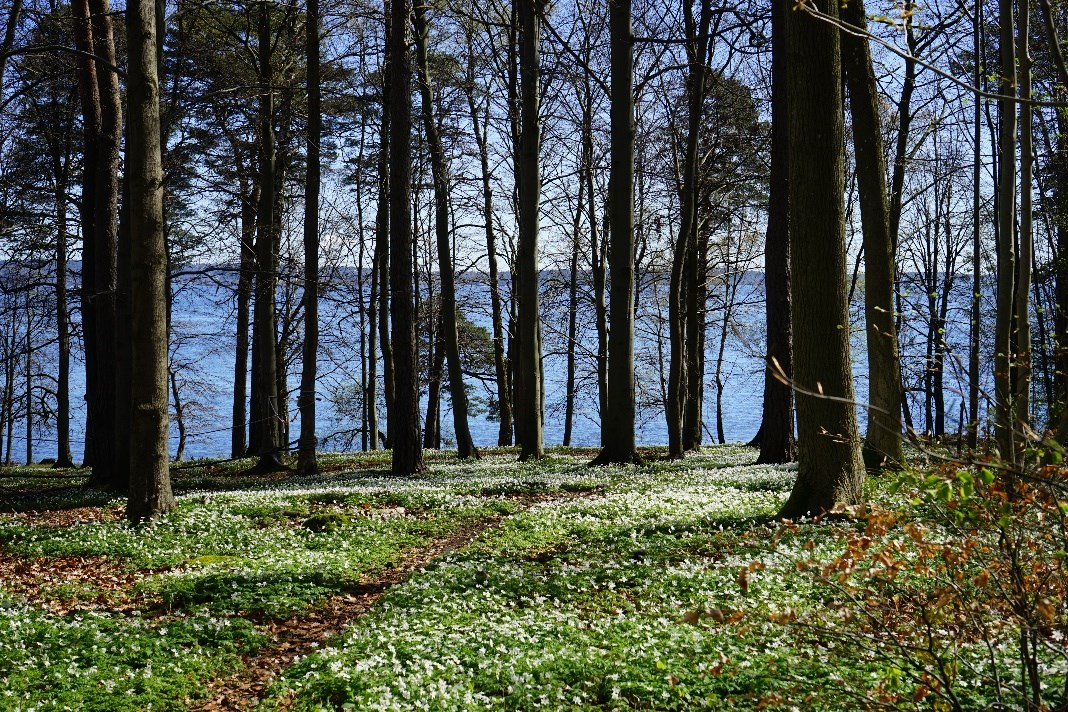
(404, 420)
(830, 469)
(465, 445)
(1021, 376)
(882, 444)
(529, 404)
(682, 334)
(776, 436)
(306, 464)
(266, 422)
(619, 445)
(1004, 424)
(150, 485)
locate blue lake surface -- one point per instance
(203, 343)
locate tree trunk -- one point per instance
(465, 446)
(529, 405)
(572, 317)
(500, 366)
(1021, 360)
(975, 335)
(64, 457)
(684, 261)
(264, 339)
(404, 420)
(776, 436)
(882, 445)
(249, 200)
(1005, 418)
(306, 464)
(150, 485)
(830, 469)
(620, 445)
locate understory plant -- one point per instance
(960, 591)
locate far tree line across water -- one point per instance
(610, 176)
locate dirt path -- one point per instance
(302, 634)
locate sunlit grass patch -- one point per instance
(103, 661)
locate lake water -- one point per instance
(202, 354)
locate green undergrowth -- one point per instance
(665, 586)
(96, 660)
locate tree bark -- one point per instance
(404, 420)
(500, 366)
(830, 469)
(620, 445)
(1005, 418)
(882, 445)
(306, 464)
(150, 486)
(265, 337)
(776, 436)
(465, 446)
(529, 404)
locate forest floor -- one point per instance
(496, 585)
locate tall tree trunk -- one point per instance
(500, 367)
(882, 444)
(150, 486)
(1021, 376)
(1005, 419)
(371, 394)
(529, 405)
(620, 444)
(465, 446)
(382, 232)
(572, 317)
(830, 468)
(250, 196)
(306, 464)
(114, 473)
(776, 436)
(684, 260)
(264, 338)
(404, 420)
(64, 457)
(975, 335)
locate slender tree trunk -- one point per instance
(265, 337)
(465, 446)
(830, 468)
(500, 366)
(371, 394)
(1005, 419)
(975, 335)
(882, 445)
(436, 356)
(404, 420)
(249, 199)
(572, 318)
(306, 464)
(684, 260)
(530, 404)
(150, 485)
(64, 457)
(1021, 376)
(776, 436)
(179, 417)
